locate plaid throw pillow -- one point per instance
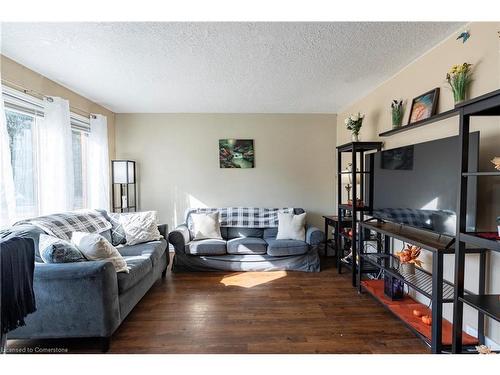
(117, 231)
(64, 224)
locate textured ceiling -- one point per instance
(221, 67)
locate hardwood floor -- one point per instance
(254, 312)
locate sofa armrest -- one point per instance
(163, 229)
(76, 270)
(73, 300)
(314, 236)
(179, 237)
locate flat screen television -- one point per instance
(416, 185)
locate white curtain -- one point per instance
(56, 158)
(98, 163)
(7, 192)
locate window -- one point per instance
(23, 151)
(23, 114)
(80, 168)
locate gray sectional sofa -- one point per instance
(245, 249)
(89, 299)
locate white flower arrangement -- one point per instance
(354, 122)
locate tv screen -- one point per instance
(417, 185)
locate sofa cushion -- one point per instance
(206, 226)
(27, 231)
(291, 227)
(140, 227)
(206, 247)
(280, 248)
(270, 233)
(247, 245)
(139, 267)
(152, 249)
(95, 247)
(238, 232)
(57, 250)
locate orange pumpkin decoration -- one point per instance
(418, 313)
(427, 319)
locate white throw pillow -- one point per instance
(291, 227)
(96, 247)
(140, 227)
(206, 226)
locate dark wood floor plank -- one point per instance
(254, 312)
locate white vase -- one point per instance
(407, 268)
(355, 137)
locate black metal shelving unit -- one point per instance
(354, 150)
(485, 304)
(430, 284)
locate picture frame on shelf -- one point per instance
(424, 106)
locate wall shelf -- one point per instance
(418, 124)
(475, 174)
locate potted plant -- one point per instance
(459, 78)
(408, 259)
(354, 123)
(397, 113)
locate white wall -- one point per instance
(178, 161)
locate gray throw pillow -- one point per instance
(57, 250)
(117, 231)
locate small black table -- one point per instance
(334, 243)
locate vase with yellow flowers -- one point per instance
(459, 78)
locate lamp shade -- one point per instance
(347, 176)
(123, 171)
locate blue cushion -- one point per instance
(270, 233)
(57, 250)
(247, 245)
(206, 247)
(237, 232)
(139, 268)
(116, 233)
(280, 248)
(153, 250)
(28, 231)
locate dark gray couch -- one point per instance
(245, 249)
(89, 299)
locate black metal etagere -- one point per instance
(354, 150)
(489, 305)
(430, 284)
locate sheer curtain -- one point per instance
(7, 193)
(98, 163)
(56, 158)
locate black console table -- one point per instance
(429, 284)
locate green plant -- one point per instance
(459, 78)
(397, 112)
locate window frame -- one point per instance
(25, 104)
(34, 210)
